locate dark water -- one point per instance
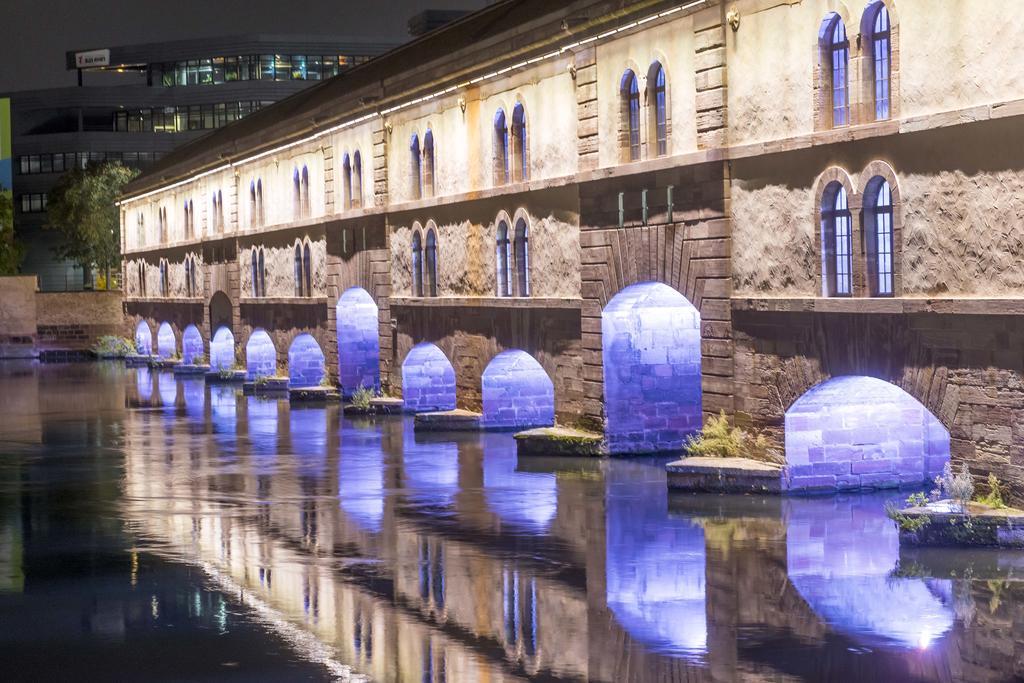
(164, 530)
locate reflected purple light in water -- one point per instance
(167, 385)
(308, 430)
(431, 469)
(528, 500)
(144, 384)
(840, 553)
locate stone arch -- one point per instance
(830, 178)
(517, 393)
(143, 339)
(221, 311)
(305, 362)
(166, 341)
(222, 350)
(191, 344)
(358, 341)
(651, 348)
(856, 431)
(260, 355)
(428, 379)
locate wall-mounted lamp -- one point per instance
(462, 104)
(733, 19)
(571, 68)
(388, 126)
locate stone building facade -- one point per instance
(675, 209)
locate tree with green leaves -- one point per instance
(81, 207)
(11, 250)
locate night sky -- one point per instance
(35, 34)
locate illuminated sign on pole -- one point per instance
(86, 60)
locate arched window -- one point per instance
(307, 269)
(254, 256)
(839, 59)
(881, 49)
(187, 222)
(253, 211)
(215, 224)
(504, 260)
(142, 278)
(521, 162)
(417, 264)
(346, 181)
(162, 224)
(878, 229)
(262, 271)
(296, 194)
(357, 180)
(164, 284)
(415, 168)
(501, 159)
(428, 163)
(836, 239)
(522, 251)
(191, 220)
(260, 215)
(298, 269)
(430, 263)
(658, 102)
(140, 237)
(630, 95)
(304, 193)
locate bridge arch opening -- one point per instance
(652, 369)
(305, 362)
(358, 341)
(517, 392)
(143, 339)
(260, 355)
(222, 350)
(428, 379)
(191, 344)
(166, 343)
(854, 432)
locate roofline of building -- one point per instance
(329, 105)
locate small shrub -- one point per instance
(958, 487)
(262, 380)
(282, 371)
(720, 440)
(361, 397)
(199, 359)
(226, 373)
(326, 382)
(994, 497)
(112, 345)
(917, 500)
(904, 521)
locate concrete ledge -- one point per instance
(447, 421)
(191, 370)
(382, 405)
(560, 441)
(981, 564)
(268, 385)
(724, 475)
(135, 360)
(165, 363)
(937, 524)
(313, 395)
(215, 376)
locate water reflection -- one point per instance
(840, 554)
(168, 388)
(448, 558)
(654, 564)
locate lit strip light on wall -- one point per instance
(419, 100)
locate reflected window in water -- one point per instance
(519, 600)
(168, 387)
(144, 384)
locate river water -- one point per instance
(162, 529)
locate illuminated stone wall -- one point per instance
(222, 350)
(652, 369)
(260, 356)
(861, 432)
(358, 341)
(166, 344)
(191, 344)
(428, 380)
(517, 393)
(305, 362)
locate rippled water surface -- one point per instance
(162, 529)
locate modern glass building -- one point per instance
(136, 103)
